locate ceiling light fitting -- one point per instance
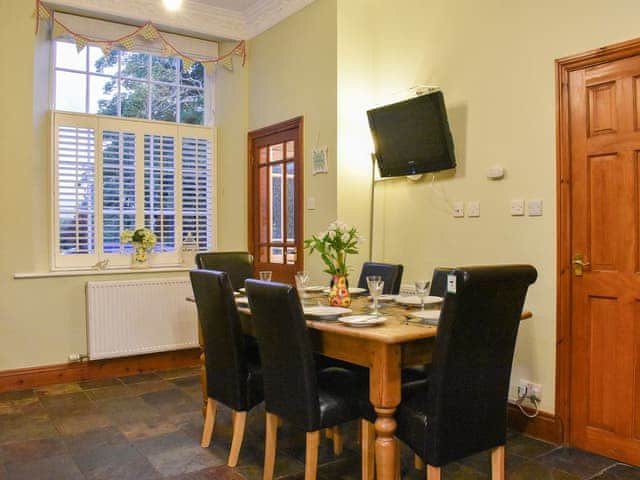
(172, 5)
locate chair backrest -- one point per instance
(471, 368)
(391, 275)
(225, 360)
(288, 366)
(238, 265)
(439, 281)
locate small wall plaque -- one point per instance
(319, 160)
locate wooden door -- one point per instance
(275, 199)
(604, 128)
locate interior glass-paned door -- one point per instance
(275, 213)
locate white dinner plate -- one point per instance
(242, 290)
(315, 288)
(362, 320)
(431, 315)
(385, 298)
(352, 290)
(324, 311)
(242, 300)
(415, 300)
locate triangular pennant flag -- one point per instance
(187, 63)
(227, 62)
(149, 32)
(43, 13)
(168, 50)
(239, 50)
(209, 67)
(106, 48)
(128, 43)
(58, 30)
(80, 43)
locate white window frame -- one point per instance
(207, 88)
(140, 127)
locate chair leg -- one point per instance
(368, 440)
(209, 422)
(311, 457)
(271, 439)
(433, 473)
(398, 466)
(328, 432)
(337, 441)
(417, 462)
(497, 463)
(239, 422)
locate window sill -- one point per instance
(91, 273)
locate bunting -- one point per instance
(227, 62)
(148, 32)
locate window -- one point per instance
(115, 174)
(128, 84)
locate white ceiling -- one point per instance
(236, 5)
(218, 19)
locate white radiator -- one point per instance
(140, 316)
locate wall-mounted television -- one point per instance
(412, 136)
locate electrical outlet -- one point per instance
(517, 208)
(458, 209)
(473, 208)
(531, 389)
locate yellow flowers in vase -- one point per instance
(143, 241)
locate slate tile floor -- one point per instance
(148, 426)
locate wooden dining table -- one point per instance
(384, 349)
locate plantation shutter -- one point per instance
(159, 190)
(75, 166)
(118, 188)
(197, 191)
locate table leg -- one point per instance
(384, 394)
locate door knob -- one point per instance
(579, 264)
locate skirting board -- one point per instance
(546, 426)
(24, 378)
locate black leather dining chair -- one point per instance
(232, 370)
(238, 265)
(439, 281)
(294, 390)
(461, 408)
(391, 275)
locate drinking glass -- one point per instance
(265, 275)
(301, 283)
(376, 285)
(421, 291)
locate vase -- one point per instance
(339, 294)
(139, 257)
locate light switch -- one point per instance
(458, 209)
(517, 208)
(534, 208)
(311, 203)
(473, 209)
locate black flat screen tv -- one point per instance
(412, 136)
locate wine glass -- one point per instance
(302, 278)
(375, 284)
(421, 291)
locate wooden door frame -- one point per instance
(564, 66)
(296, 122)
